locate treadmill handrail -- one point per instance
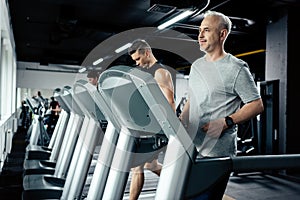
(147, 86)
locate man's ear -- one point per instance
(223, 33)
(147, 52)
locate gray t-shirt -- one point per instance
(216, 90)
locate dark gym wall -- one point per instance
(282, 44)
(293, 91)
(276, 66)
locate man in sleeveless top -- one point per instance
(141, 52)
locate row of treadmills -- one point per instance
(119, 124)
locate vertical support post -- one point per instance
(104, 161)
(119, 171)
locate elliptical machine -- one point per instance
(37, 134)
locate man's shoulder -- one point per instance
(237, 61)
(159, 65)
(157, 68)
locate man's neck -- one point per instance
(214, 56)
(152, 62)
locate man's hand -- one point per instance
(214, 128)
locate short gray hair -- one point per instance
(225, 21)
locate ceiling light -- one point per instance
(98, 61)
(124, 47)
(176, 19)
(82, 70)
(183, 15)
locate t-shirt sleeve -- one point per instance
(245, 86)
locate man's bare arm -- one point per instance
(164, 80)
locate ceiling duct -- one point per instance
(180, 3)
(161, 8)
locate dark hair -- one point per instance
(93, 74)
(138, 45)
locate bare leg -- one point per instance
(154, 166)
(137, 182)
(138, 177)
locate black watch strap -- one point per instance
(229, 122)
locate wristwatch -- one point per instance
(229, 122)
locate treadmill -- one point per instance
(139, 106)
(42, 159)
(33, 181)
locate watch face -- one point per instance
(229, 121)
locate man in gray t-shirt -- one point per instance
(216, 91)
(218, 83)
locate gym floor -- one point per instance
(245, 186)
(262, 186)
